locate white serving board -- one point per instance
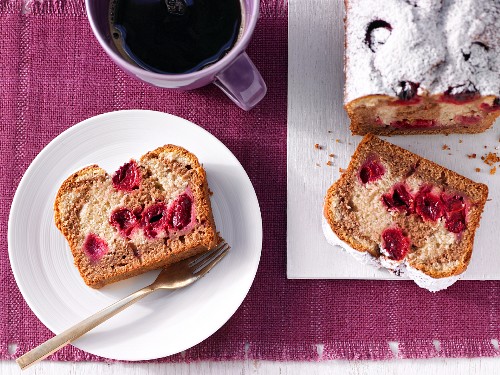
(315, 107)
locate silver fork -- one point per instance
(178, 275)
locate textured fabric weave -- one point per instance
(54, 74)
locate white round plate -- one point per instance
(164, 323)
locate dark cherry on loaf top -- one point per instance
(460, 94)
(406, 91)
(369, 37)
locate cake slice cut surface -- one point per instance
(397, 210)
(148, 214)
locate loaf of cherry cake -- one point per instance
(397, 210)
(148, 214)
(422, 66)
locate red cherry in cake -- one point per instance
(455, 216)
(406, 90)
(495, 106)
(467, 120)
(453, 203)
(127, 177)
(371, 171)
(428, 205)
(455, 221)
(399, 199)
(154, 219)
(460, 94)
(377, 33)
(414, 124)
(179, 214)
(124, 220)
(95, 247)
(395, 243)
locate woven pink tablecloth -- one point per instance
(54, 74)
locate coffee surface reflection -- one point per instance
(174, 36)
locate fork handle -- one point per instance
(64, 338)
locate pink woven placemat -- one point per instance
(53, 74)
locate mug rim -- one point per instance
(215, 68)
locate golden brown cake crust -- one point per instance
(127, 257)
(403, 161)
(364, 119)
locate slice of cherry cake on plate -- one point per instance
(149, 214)
(422, 66)
(397, 210)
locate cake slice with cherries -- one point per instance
(395, 209)
(148, 214)
(422, 66)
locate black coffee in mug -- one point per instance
(174, 36)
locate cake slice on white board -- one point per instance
(394, 209)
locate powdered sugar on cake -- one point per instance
(439, 44)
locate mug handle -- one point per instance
(242, 82)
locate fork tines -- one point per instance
(207, 261)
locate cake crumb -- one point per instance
(478, 169)
(342, 170)
(317, 165)
(485, 146)
(329, 163)
(460, 141)
(331, 155)
(445, 147)
(317, 146)
(472, 156)
(493, 170)
(329, 131)
(491, 158)
(338, 140)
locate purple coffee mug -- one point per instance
(235, 74)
